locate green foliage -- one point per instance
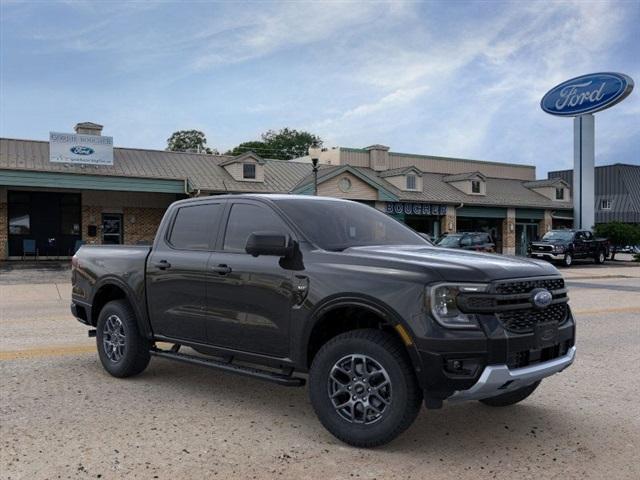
(284, 144)
(188, 141)
(257, 147)
(619, 234)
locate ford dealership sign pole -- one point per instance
(580, 97)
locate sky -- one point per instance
(451, 78)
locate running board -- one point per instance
(279, 378)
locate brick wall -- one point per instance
(141, 224)
(545, 224)
(509, 233)
(4, 227)
(448, 222)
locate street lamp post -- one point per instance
(314, 153)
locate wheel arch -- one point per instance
(342, 314)
(112, 288)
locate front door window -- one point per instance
(112, 228)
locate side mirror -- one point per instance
(269, 243)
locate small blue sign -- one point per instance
(587, 94)
(80, 150)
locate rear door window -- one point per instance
(195, 227)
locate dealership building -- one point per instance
(77, 188)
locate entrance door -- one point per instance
(111, 228)
(525, 233)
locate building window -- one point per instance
(475, 186)
(344, 184)
(411, 182)
(559, 193)
(249, 171)
(19, 213)
(605, 204)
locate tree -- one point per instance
(284, 144)
(619, 234)
(188, 141)
(257, 147)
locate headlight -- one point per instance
(559, 248)
(443, 303)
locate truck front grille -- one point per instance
(523, 321)
(511, 301)
(525, 286)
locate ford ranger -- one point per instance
(565, 246)
(290, 289)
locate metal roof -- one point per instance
(205, 172)
(620, 184)
(202, 171)
(463, 176)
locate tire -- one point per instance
(567, 261)
(117, 327)
(511, 398)
(600, 257)
(375, 418)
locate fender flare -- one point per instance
(141, 315)
(368, 303)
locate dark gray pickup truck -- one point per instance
(295, 288)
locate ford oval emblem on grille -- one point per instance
(542, 298)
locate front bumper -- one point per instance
(547, 255)
(499, 379)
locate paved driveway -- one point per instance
(62, 416)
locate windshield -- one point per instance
(449, 241)
(558, 235)
(336, 225)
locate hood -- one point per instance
(458, 265)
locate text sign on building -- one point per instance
(77, 148)
(415, 208)
(587, 94)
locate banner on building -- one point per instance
(80, 149)
(415, 208)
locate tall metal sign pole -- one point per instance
(580, 97)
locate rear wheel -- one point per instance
(122, 350)
(363, 388)
(511, 398)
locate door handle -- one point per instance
(162, 265)
(222, 269)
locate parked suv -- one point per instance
(289, 288)
(478, 241)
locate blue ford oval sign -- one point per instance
(587, 94)
(80, 150)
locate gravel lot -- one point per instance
(62, 416)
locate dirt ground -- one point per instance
(62, 416)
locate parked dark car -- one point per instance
(477, 241)
(288, 288)
(565, 246)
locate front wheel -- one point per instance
(363, 388)
(511, 398)
(567, 260)
(122, 350)
(600, 257)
